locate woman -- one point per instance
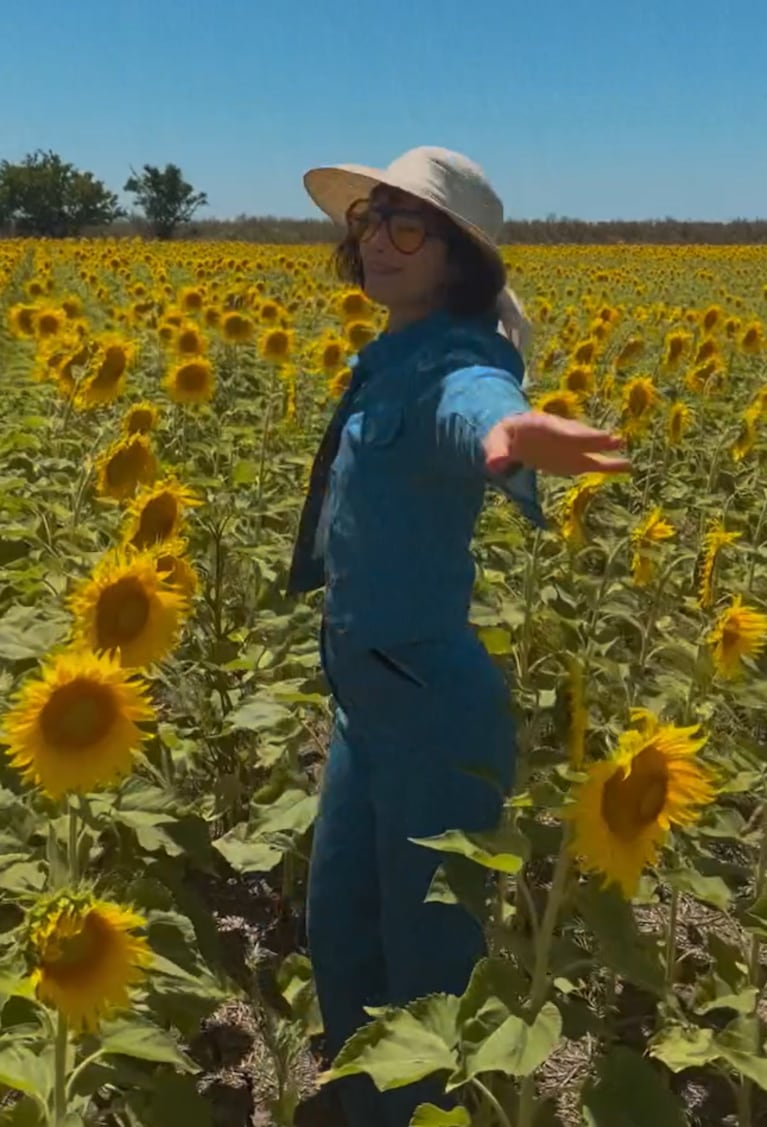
(434, 412)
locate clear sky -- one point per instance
(591, 108)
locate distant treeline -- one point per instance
(269, 229)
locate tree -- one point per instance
(165, 197)
(44, 195)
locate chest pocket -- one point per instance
(382, 424)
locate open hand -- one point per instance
(552, 444)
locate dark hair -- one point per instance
(480, 275)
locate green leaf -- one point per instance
(738, 1046)
(630, 1092)
(495, 639)
(22, 876)
(245, 853)
(711, 890)
(754, 917)
(24, 1070)
(459, 881)
(293, 812)
(131, 1037)
(623, 948)
(683, 1046)
(258, 714)
(476, 848)
(516, 1048)
(24, 1113)
(296, 983)
(403, 1046)
(173, 1099)
(427, 1115)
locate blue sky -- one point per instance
(592, 108)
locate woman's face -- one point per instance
(394, 278)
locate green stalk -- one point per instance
(60, 1072)
(489, 1098)
(757, 537)
(74, 865)
(265, 433)
(755, 972)
(540, 984)
(671, 940)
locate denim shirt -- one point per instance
(390, 534)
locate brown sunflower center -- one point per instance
(122, 613)
(69, 957)
(630, 804)
(157, 520)
(126, 464)
(78, 714)
(639, 399)
(192, 377)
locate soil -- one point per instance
(239, 1072)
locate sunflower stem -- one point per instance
(489, 1098)
(755, 553)
(265, 434)
(540, 984)
(671, 940)
(60, 1072)
(744, 1098)
(74, 866)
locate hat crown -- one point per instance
(451, 182)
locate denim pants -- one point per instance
(410, 722)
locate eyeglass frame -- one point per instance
(387, 213)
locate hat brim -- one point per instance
(335, 188)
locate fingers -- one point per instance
(595, 463)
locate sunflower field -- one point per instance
(164, 719)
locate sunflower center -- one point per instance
(157, 521)
(78, 715)
(192, 377)
(631, 803)
(122, 613)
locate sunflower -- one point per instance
(706, 378)
(738, 632)
(171, 563)
(126, 608)
(628, 803)
(576, 502)
(156, 515)
(677, 423)
(49, 321)
(236, 327)
(752, 342)
(332, 354)
(360, 333)
(83, 956)
(192, 381)
(189, 341)
(141, 418)
(124, 466)
(353, 305)
(565, 403)
(677, 345)
(21, 320)
(106, 373)
(747, 435)
(191, 299)
(276, 345)
(714, 541)
(650, 531)
(579, 379)
(711, 318)
(338, 383)
(640, 398)
(75, 727)
(585, 351)
(631, 351)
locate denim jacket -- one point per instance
(400, 477)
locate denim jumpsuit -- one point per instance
(396, 489)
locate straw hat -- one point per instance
(449, 182)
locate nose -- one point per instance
(379, 241)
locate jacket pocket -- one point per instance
(395, 665)
(381, 425)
